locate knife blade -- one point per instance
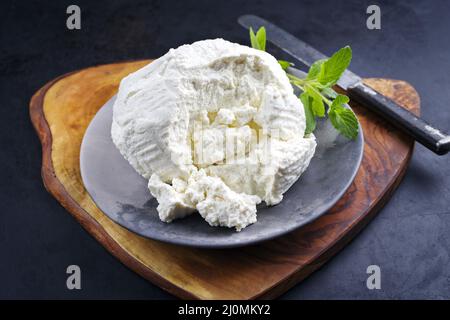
(405, 120)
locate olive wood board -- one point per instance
(61, 111)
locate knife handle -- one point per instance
(400, 117)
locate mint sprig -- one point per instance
(285, 64)
(332, 68)
(258, 40)
(343, 118)
(318, 97)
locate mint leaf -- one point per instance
(309, 115)
(285, 64)
(258, 40)
(343, 119)
(317, 105)
(253, 40)
(339, 101)
(315, 69)
(261, 38)
(332, 69)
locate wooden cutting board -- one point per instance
(61, 111)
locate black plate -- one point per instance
(122, 194)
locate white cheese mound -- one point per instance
(216, 128)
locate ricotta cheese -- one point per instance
(216, 128)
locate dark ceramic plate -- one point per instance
(122, 194)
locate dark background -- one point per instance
(409, 239)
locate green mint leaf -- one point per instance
(317, 105)
(339, 101)
(261, 38)
(315, 69)
(343, 119)
(309, 115)
(253, 40)
(332, 69)
(258, 40)
(285, 64)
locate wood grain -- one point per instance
(61, 112)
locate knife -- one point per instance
(403, 119)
